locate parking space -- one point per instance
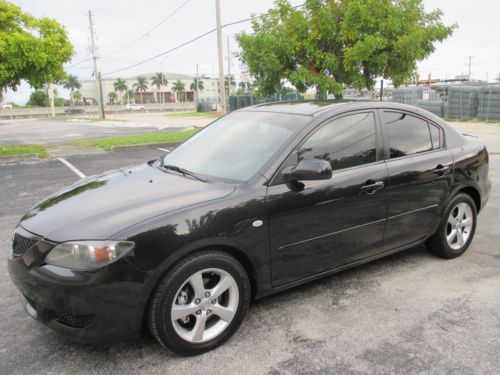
(407, 313)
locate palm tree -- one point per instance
(159, 81)
(130, 94)
(200, 84)
(71, 83)
(112, 97)
(229, 81)
(242, 86)
(179, 88)
(77, 96)
(141, 85)
(120, 85)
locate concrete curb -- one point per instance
(144, 146)
(18, 158)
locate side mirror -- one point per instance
(309, 170)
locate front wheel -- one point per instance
(199, 303)
(457, 228)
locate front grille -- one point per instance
(75, 321)
(21, 244)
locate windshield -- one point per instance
(236, 146)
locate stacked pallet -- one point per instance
(407, 95)
(462, 102)
(489, 103)
(433, 106)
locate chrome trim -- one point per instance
(331, 234)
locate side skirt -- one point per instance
(338, 269)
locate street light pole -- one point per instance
(222, 90)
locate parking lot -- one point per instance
(60, 131)
(407, 313)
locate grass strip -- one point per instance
(137, 139)
(14, 150)
(194, 114)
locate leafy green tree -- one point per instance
(159, 80)
(141, 86)
(32, 49)
(71, 83)
(328, 44)
(179, 87)
(38, 98)
(121, 86)
(113, 96)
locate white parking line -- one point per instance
(164, 150)
(72, 167)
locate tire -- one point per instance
(180, 292)
(456, 245)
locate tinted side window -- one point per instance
(407, 134)
(345, 142)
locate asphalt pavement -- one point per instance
(407, 313)
(60, 131)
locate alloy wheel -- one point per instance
(459, 226)
(205, 305)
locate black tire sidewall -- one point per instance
(159, 318)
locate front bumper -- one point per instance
(96, 307)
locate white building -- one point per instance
(153, 94)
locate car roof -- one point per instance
(317, 107)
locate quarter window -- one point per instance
(436, 136)
(408, 135)
(344, 142)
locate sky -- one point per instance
(124, 36)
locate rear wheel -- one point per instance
(200, 303)
(457, 228)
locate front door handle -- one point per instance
(371, 187)
(441, 170)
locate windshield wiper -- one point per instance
(185, 172)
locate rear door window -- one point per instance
(407, 135)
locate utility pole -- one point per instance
(51, 98)
(222, 88)
(228, 67)
(97, 75)
(470, 63)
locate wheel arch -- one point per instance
(235, 252)
(474, 194)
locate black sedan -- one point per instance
(259, 201)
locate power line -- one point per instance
(161, 54)
(150, 30)
(80, 62)
(191, 41)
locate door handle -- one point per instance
(440, 170)
(371, 188)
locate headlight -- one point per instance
(88, 255)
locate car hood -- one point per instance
(98, 207)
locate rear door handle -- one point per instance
(441, 170)
(372, 187)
